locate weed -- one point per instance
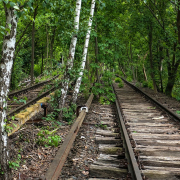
(15, 164)
(68, 113)
(47, 139)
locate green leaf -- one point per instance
(12, 4)
(16, 7)
(2, 27)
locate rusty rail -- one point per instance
(55, 168)
(132, 163)
(30, 88)
(20, 108)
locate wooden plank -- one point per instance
(100, 171)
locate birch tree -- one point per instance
(6, 63)
(71, 56)
(78, 82)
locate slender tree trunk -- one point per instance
(96, 51)
(151, 57)
(47, 43)
(6, 63)
(52, 45)
(144, 69)
(32, 56)
(161, 66)
(70, 60)
(121, 68)
(42, 64)
(132, 67)
(78, 82)
(88, 66)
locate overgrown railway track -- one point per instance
(154, 133)
(19, 100)
(136, 140)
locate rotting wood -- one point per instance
(107, 140)
(111, 149)
(106, 133)
(106, 171)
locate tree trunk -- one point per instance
(78, 82)
(96, 50)
(51, 47)
(47, 43)
(172, 69)
(70, 61)
(121, 68)
(151, 57)
(6, 63)
(172, 72)
(42, 64)
(132, 67)
(161, 66)
(32, 56)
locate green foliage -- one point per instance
(102, 126)
(15, 164)
(145, 84)
(118, 80)
(23, 100)
(150, 85)
(68, 113)
(104, 100)
(121, 85)
(37, 70)
(45, 138)
(129, 79)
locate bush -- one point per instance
(150, 85)
(145, 84)
(129, 79)
(121, 84)
(104, 100)
(118, 80)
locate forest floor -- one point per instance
(35, 159)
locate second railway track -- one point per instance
(154, 135)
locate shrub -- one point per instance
(118, 80)
(121, 84)
(145, 84)
(150, 85)
(129, 79)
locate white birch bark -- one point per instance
(78, 82)
(71, 56)
(6, 63)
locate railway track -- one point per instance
(135, 140)
(115, 159)
(19, 100)
(154, 134)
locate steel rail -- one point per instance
(30, 88)
(55, 168)
(153, 100)
(132, 163)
